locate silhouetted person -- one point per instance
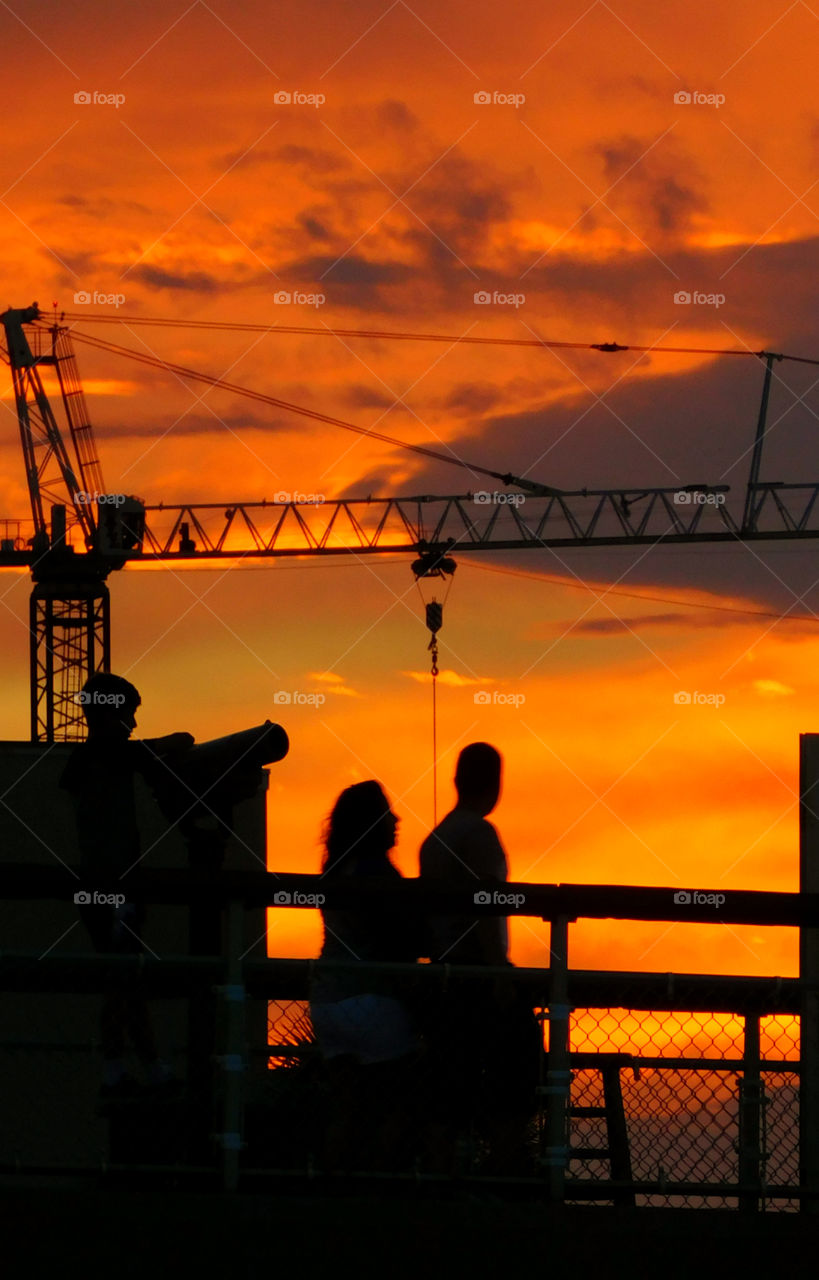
(362, 1022)
(484, 1040)
(99, 777)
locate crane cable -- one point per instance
(434, 563)
(195, 375)
(325, 331)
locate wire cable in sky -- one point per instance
(327, 331)
(637, 595)
(166, 366)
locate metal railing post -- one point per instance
(558, 1075)
(232, 1060)
(809, 972)
(750, 1104)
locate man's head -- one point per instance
(478, 777)
(109, 704)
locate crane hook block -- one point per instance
(433, 563)
(435, 616)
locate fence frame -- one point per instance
(238, 979)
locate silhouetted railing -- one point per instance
(675, 1089)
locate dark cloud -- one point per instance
(244, 159)
(192, 282)
(461, 201)
(352, 269)
(637, 622)
(314, 160)
(397, 115)
(314, 227)
(100, 206)
(469, 399)
(198, 424)
(697, 618)
(362, 397)
(659, 187)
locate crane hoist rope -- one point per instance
(433, 563)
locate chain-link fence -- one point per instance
(660, 1097)
(681, 1080)
(666, 1106)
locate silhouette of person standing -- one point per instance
(363, 1026)
(99, 778)
(484, 1040)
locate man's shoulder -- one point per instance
(459, 842)
(462, 824)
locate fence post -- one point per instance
(558, 1075)
(750, 1101)
(809, 973)
(232, 1060)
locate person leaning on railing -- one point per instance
(362, 1020)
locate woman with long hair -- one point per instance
(362, 1024)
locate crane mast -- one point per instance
(69, 608)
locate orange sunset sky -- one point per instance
(617, 154)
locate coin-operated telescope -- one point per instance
(224, 760)
(203, 783)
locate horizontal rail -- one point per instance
(289, 979)
(296, 891)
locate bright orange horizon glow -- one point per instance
(587, 209)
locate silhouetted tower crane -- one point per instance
(69, 620)
(70, 606)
